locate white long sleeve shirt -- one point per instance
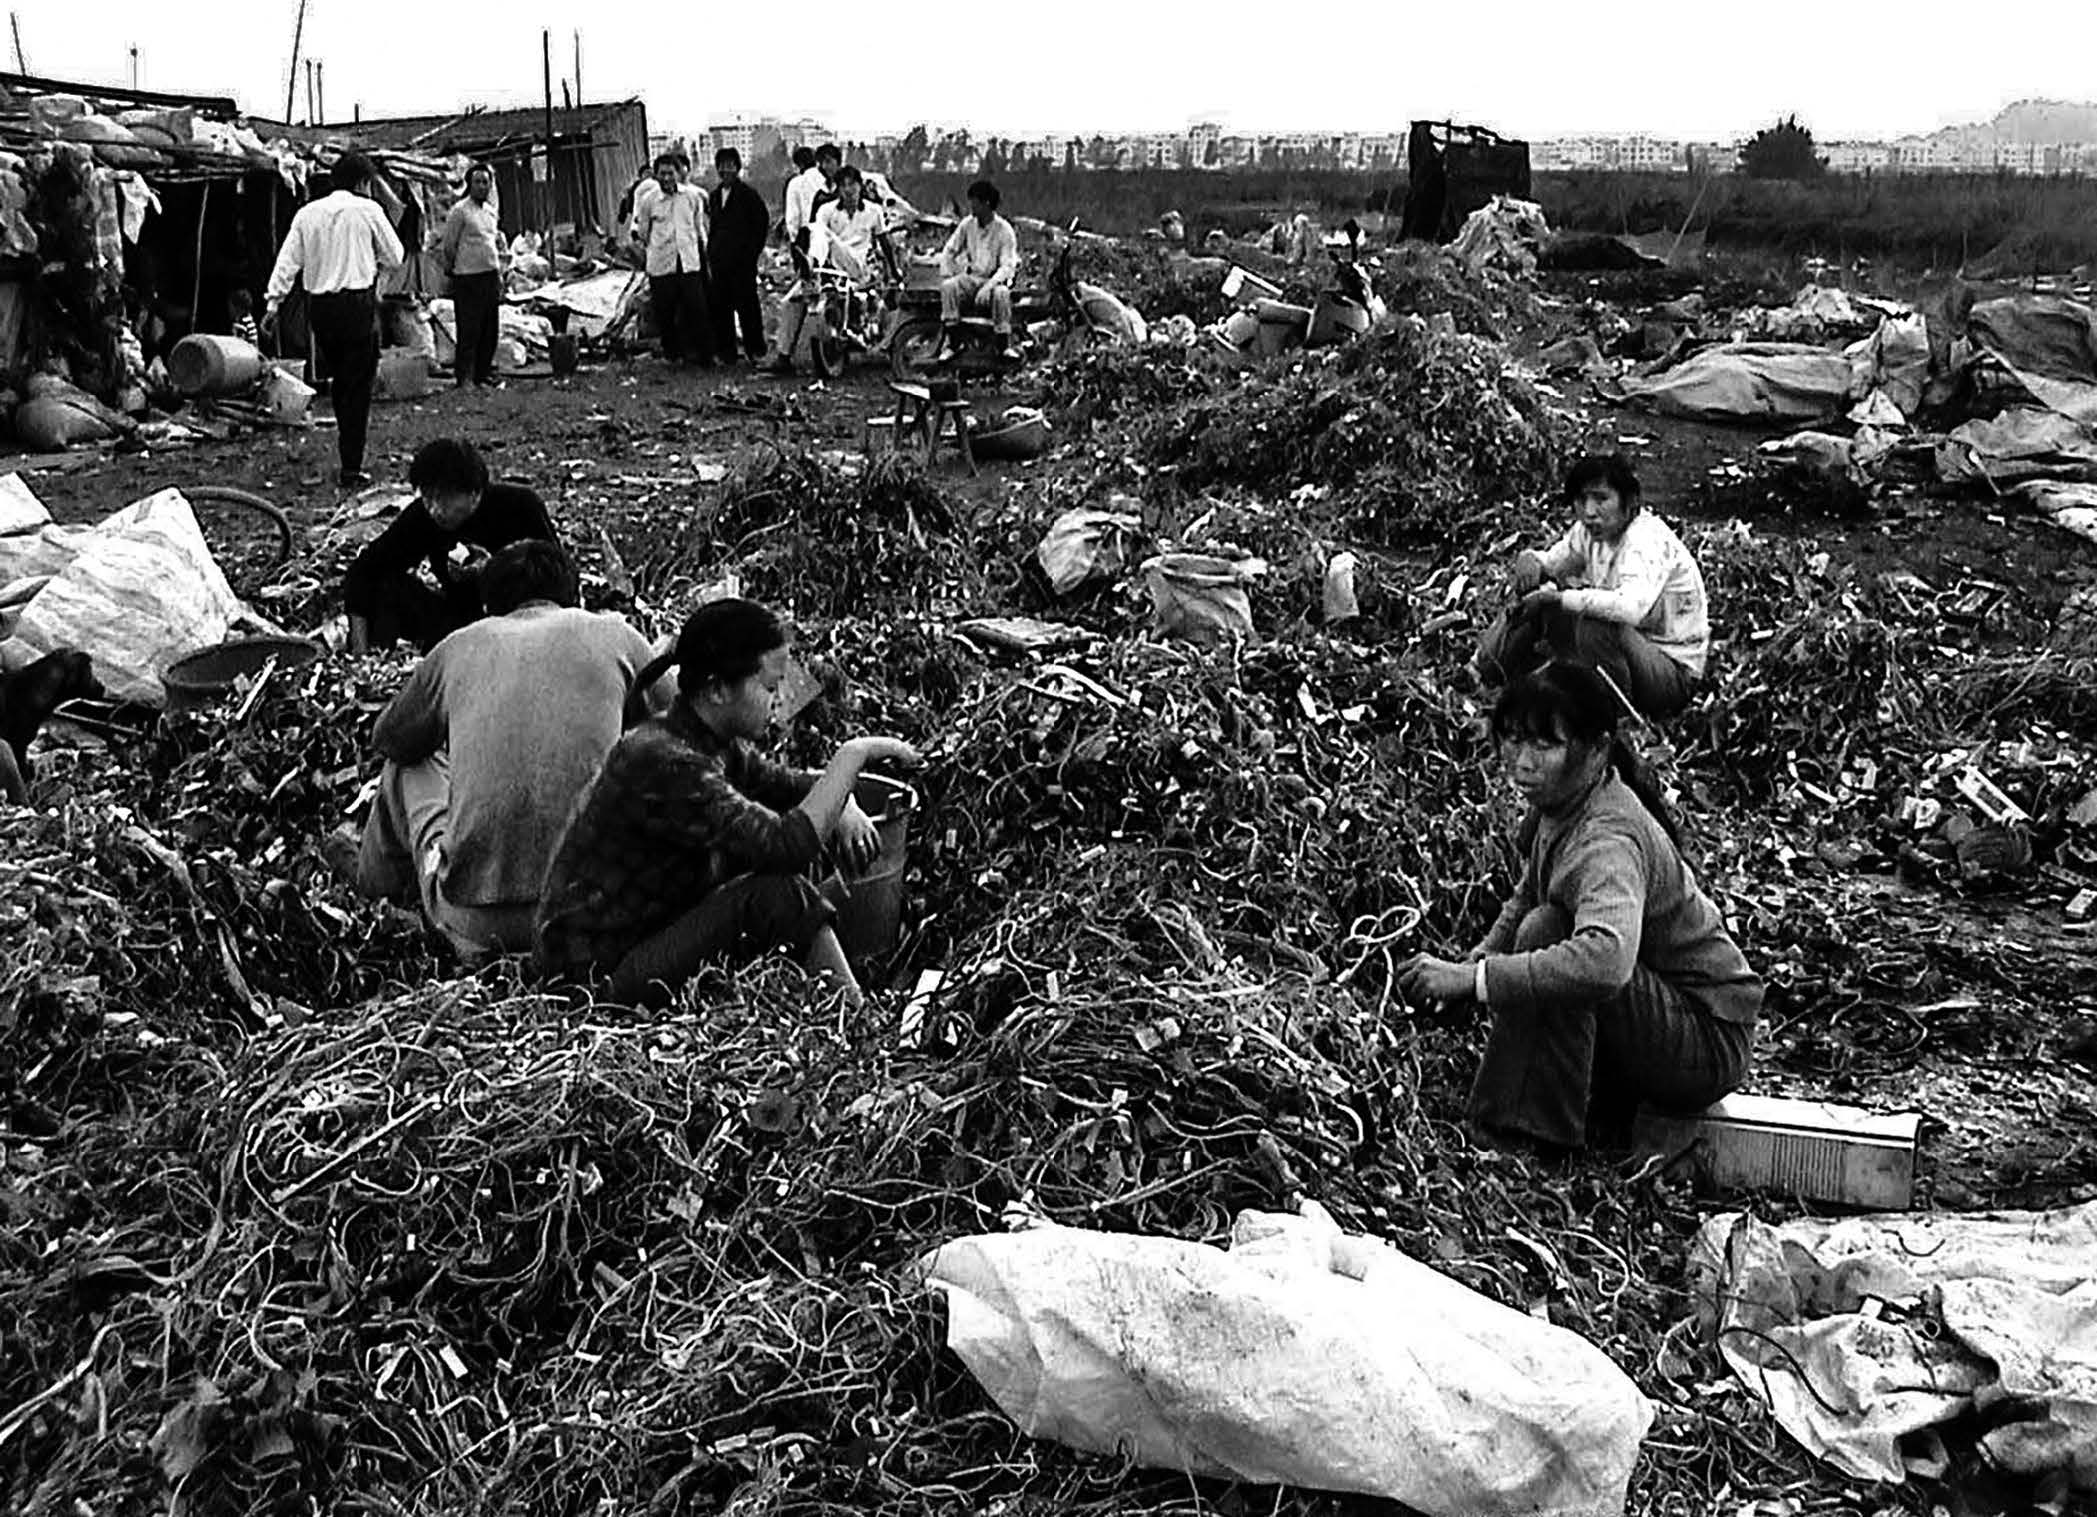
(801, 191)
(342, 241)
(990, 253)
(1645, 579)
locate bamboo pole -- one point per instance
(298, 36)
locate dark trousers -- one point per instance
(1521, 641)
(405, 608)
(1546, 1069)
(733, 295)
(346, 335)
(678, 302)
(476, 308)
(738, 920)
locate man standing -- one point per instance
(667, 228)
(488, 747)
(808, 182)
(980, 261)
(455, 522)
(736, 225)
(471, 252)
(341, 245)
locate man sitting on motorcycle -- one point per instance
(849, 236)
(980, 261)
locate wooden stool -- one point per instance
(917, 411)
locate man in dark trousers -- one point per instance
(736, 226)
(471, 251)
(341, 246)
(456, 521)
(669, 229)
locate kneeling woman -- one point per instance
(1610, 973)
(691, 847)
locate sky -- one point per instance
(1535, 70)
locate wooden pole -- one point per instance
(14, 20)
(309, 92)
(578, 70)
(134, 65)
(546, 63)
(320, 86)
(196, 288)
(291, 84)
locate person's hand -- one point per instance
(1528, 571)
(887, 750)
(858, 840)
(1423, 977)
(476, 559)
(1542, 598)
(267, 326)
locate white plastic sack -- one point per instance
(1859, 1330)
(1301, 1356)
(142, 591)
(1200, 597)
(1085, 545)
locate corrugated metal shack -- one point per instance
(567, 166)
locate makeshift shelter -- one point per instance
(1453, 170)
(550, 167)
(129, 217)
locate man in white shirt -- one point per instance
(669, 229)
(809, 181)
(340, 246)
(979, 261)
(847, 236)
(471, 250)
(1618, 592)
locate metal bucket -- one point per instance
(204, 363)
(871, 919)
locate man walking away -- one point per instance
(667, 228)
(736, 225)
(489, 746)
(341, 245)
(471, 252)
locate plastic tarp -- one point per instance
(1860, 1330)
(20, 510)
(1749, 381)
(1894, 361)
(1300, 1356)
(2020, 444)
(141, 591)
(1506, 234)
(2072, 508)
(594, 303)
(2049, 343)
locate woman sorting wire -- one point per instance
(691, 847)
(1610, 975)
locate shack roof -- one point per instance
(478, 128)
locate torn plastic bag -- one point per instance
(1301, 1356)
(1893, 362)
(141, 591)
(1200, 597)
(20, 510)
(2049, 344)
(1860, 1330)
(1085, 545)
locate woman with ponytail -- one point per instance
(690, 846)
(1610, 975)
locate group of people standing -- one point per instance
(549, 788)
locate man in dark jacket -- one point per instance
(737, 223)
(457, 520)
